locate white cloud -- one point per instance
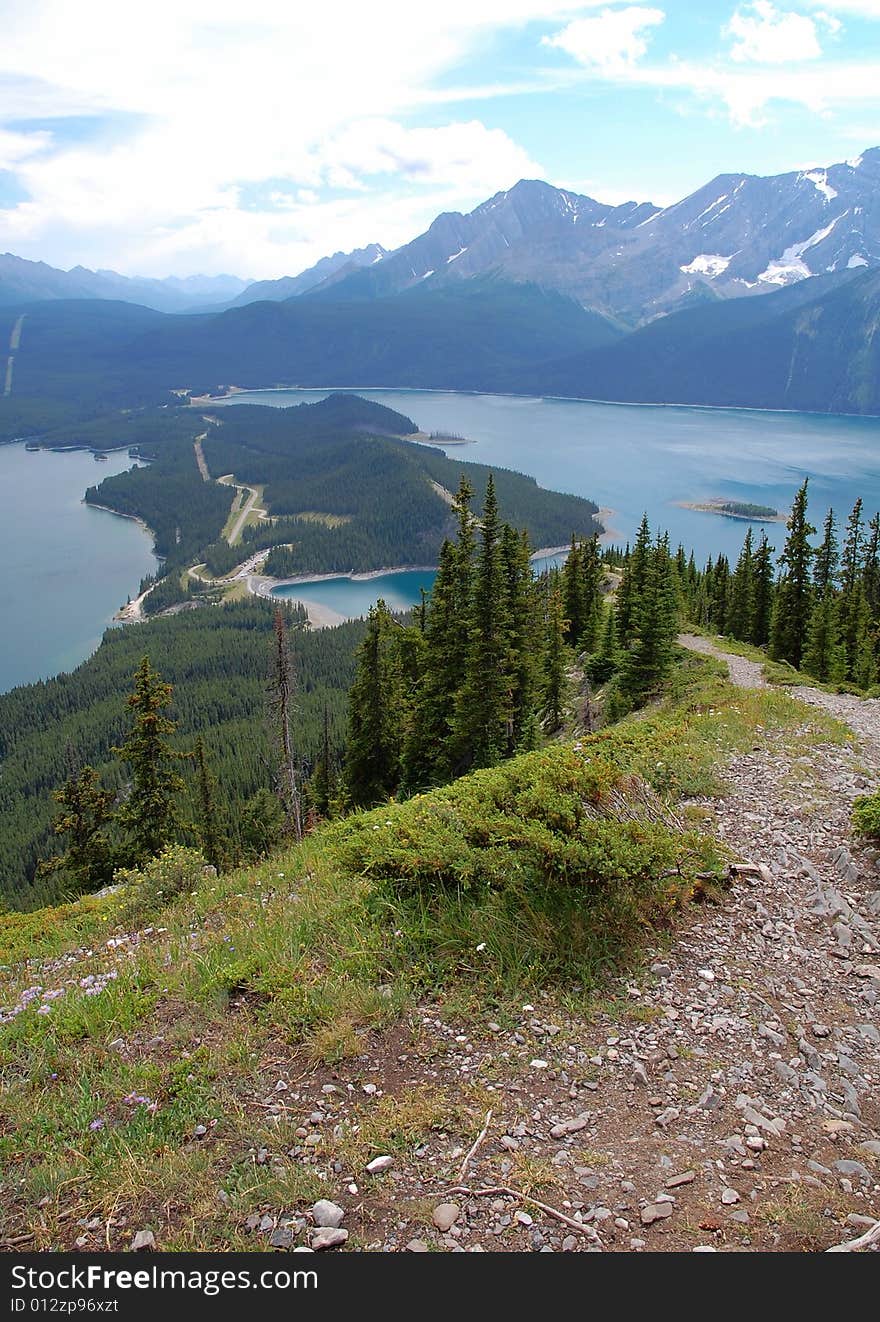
(763, 34)
(218, 100)
(17, 147)
(614, 39)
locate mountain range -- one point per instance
(752, 292)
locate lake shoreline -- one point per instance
(232, 391)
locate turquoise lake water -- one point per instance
(631, 458)
(66, 567)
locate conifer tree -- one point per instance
(741, 604)
(554, 663)
(282, 693)
(718, 604)
(86, 812)
(209, 821)
(632, 583)
(150, 815)
(606, 661)
(482, 714)
(372, 762)
(649, 658)
(522, 640)
(574, 594)
(824, 655)
(827, 559)
(322, 782)
(426, 757)
(762, 578)
(851, 603)
(593, 578)
(871, 571)
(793, 599)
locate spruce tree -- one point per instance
(824, 655)
(150, 815)
(793, 599)
(827, 559)
(632, 583)
(851, 603)
(741, 605)
(718, 605)
(649, 658)
(86, 812)
(554, 663)
(282, 694)
(482, 711)
(593, 578)
(426, 754)
(762, 579)
(871, 570)
(574, 595)
(372, 760)
(209, 821)
(522, 640)
(322, 781)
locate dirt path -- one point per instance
(200, 457)
(726, 1100)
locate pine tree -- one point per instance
(718, 605)
(793, 599)
(649, 657)
(827, 559)
(593, 577)
(372, 760)
(632, 583)
(209, 823)
(871, 570)
(741, 605)
(426, 757)
(762, 579)
(824, 654)
(573, 593)
(481, 716)
(282, 692)
(323, 780)
(522, 641)
(851, 603)
(554, 663)
(86, 813)
(606, 661)
(150, 815)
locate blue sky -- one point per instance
(205, 135)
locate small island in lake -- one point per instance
(735, 509)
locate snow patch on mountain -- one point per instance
(856, 260)
(453, 256)
(707, 263)
(820, 179)
(788, 268)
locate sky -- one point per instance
(186, 136)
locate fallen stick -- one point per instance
(472, 1153)
(504, 1191)
(865, 1241)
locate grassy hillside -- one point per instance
(163, 1062)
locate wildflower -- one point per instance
(96, 1124)
(481, 946)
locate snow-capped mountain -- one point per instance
(737, 235)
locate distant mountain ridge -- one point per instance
(22, 281)
(291, 286)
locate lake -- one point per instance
(66, 567)
(633, 458)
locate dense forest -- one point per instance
(341, 490)
(218, 661)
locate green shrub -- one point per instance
(866, 815)
(148, 890)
